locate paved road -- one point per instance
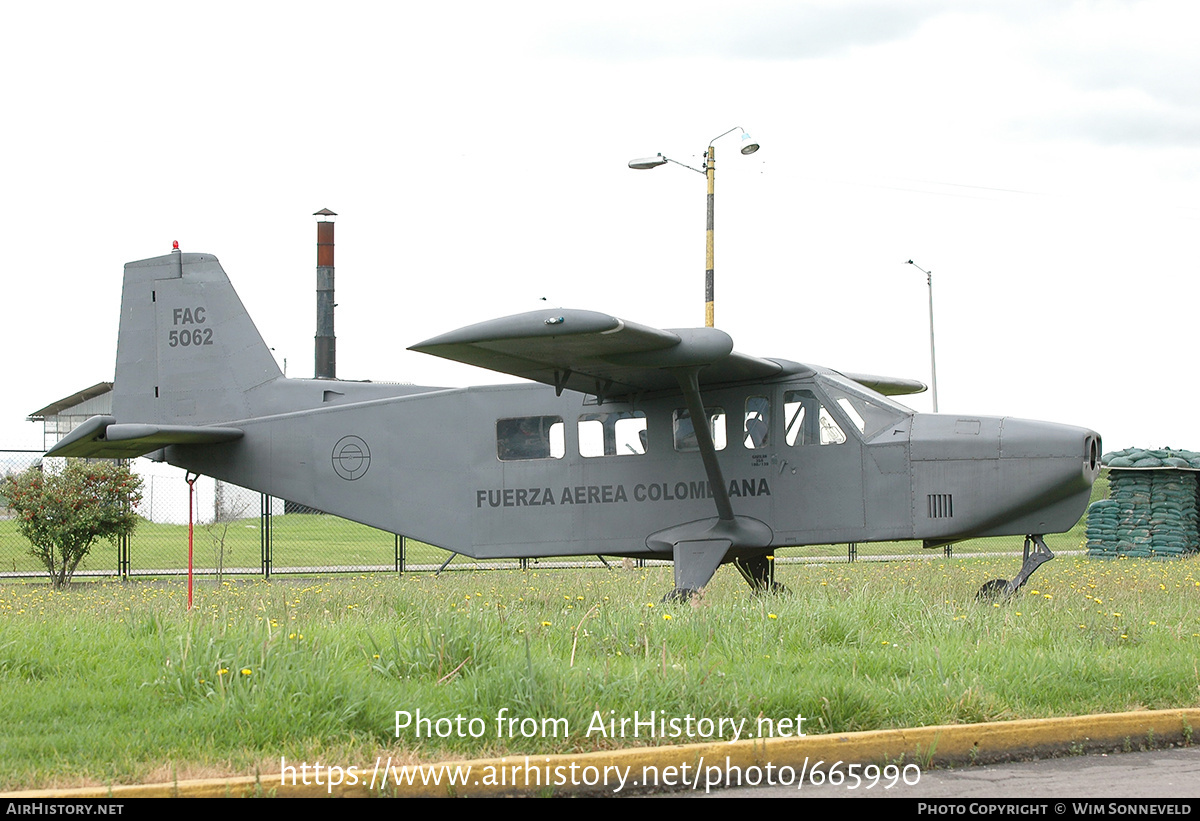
(1160, 774)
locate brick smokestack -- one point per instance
(325, 341)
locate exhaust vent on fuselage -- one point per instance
(941, 506)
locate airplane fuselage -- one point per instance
(433, 465)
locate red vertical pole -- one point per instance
(191, 480)
(325, 362)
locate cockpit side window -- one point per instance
(869, 415)
(808, 422)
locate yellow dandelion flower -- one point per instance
(246, 671)
(666, 616)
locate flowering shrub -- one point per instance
(63, 514)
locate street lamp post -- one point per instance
(932, 350)
(749, 146)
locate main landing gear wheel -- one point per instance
(1036, 554)
(679, 595)
(759, 573)
(772, 589)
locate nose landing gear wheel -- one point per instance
(1036, 554)
(991, 591)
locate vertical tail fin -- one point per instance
(187, 352)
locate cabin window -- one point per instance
(808, 422)
(621, 433)
(756, 430)
(530, 437)
(685, 434)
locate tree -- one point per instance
(63, 514)
(230, 505)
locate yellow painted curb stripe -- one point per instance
(924, 746)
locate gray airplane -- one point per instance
(634, 441)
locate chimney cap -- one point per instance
(324, 212)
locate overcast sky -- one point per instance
(1041, 158)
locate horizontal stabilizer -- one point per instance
(100, 437)
(597, 354)
(887, 385)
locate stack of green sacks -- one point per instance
(1152, 506)
(1103, 523)
(1159, 458)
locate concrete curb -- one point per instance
(678, 767)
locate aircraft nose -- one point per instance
(1025, 438)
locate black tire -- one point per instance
(679, 595)
(992, 591)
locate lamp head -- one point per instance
(648, 162)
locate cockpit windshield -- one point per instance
(870, 413)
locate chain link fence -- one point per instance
(235, 532)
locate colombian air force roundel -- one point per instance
(351, 458)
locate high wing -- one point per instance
(611, 358)
(598, 354)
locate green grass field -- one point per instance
(117, 683)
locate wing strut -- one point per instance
(699, 547)
(689, 383)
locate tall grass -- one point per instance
(109, 683)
